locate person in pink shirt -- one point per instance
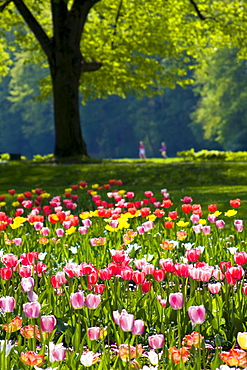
(142, 152)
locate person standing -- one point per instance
(142, 151)
(163, 149)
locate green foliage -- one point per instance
(141, 48)
(221, 110)
(43, 158)
(209, 155)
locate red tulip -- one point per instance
(240, 258)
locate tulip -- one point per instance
(240, 258)
(197, 314)
(159, 275)
(242, 340)
(146, 286)
(88, 358)
(57, 352)
(176, 300)
(93, 301)
(6, 346)
(236, 272)
(214, 288)
(77, 300)
(47, 323)
(194, 218)
(10, 260)
(7, 304)
(138, 277)
(83, 230)
(220, 224)
(126, 273)
(156, 341)
(197, 228)
(193, 254)
(138, 327)
(32, 309)
(6, 273)
(167, 264)
(93, 332)
(25, 271)
(31, 358)
(27, 284)
(212, 218)
(206, 230)
(126, 321)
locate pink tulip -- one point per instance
(60, 232)
(138, 327)
(77, 300)
(7, 304)
(176, 300)
(148, 269)
(126, 321)
(140, 230)
(220, 224)
(48, 323)
(194, 218)
(197, 228)
(197, 314)
(32, 309)
(87, 222)
(93, 332)
(156, 341)
(212, 218)
(214, 288)
(27, 284)
(83, 230)
(206, 230)
(38, 225)
(93, 300)
(148, 225)
(45, 231)
(57, 352)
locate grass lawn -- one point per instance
(205, 182)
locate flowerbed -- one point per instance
(96, 277)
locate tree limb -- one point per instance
(200, 15)
(3, 6)
(35, 27)
(90, 66)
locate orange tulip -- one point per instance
(14, 325)
(28, 332)
(32, 358)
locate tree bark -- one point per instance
(68, 134)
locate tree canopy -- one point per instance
(131, 46)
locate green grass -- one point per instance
(205, 182)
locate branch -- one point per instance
(117, 16)
(90, 66)
(3, 6)
(35, 27)
(200, 15)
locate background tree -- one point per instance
(127, 43)
(221, 111)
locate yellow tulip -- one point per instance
(242, 340)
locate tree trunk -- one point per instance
(65, 75)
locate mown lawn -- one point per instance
(205, 182)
